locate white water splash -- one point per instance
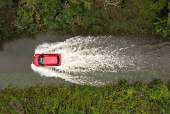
(81, 55)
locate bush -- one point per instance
(2, 3)
(33, 15)
(162, 21)
(69, 111)
(77, 17)
(162, 27)
(1, 22)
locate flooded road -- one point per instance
(89, 60)
(16, 56)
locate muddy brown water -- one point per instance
(16, 57)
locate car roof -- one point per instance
(49, 60)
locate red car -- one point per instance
(47, 60)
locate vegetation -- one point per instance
(84, 17)
(162, 21)
(84, 99)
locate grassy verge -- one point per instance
(21, 81)
(83, 99)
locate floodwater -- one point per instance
(16, 56)
(96, 61)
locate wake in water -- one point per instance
(83, 55)
(79, 55)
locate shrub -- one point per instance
(2, 3)
(33, 15)
(162, 27)
(162, 21)
(1, 22)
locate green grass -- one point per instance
(27, 80)
(23, 80)
(82, 99)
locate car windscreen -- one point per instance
(40, 60)
(58, 60)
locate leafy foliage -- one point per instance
(1, 22)
(120, 98)
(6, 3)
(162, 21)
(2, 3)
(90, 17)
(33, 15)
